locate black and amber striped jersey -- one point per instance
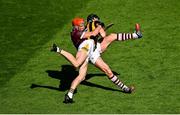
(91, 26)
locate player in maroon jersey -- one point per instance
(85, 49)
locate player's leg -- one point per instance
(107, 41)
(106, 69)
(127, 36)
(120, 37)
(76, 82)
(76, 62)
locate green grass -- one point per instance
(29, 27)
(26, 26)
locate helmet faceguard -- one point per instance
(91, 17)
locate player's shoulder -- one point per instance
(74, 31)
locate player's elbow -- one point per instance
(77, 65)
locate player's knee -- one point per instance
(77, 65)
(80, 78)
(112, 37)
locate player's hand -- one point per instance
(99, 23)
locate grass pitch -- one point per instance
(33, 80)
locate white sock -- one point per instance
(70, 94)
(135, 35)
(58, 50)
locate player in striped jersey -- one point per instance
(93, 21)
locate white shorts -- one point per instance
(96, 54)
(89, 45)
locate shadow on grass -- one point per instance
(67, 74)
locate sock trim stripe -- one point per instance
(111, 77)
(131, 36)
(122, 85)
(117, 82)
(71, 90)
(117, 37)
(122, 36)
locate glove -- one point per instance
(99, 23)
(94, 38)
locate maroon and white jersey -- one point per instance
(76, 37)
